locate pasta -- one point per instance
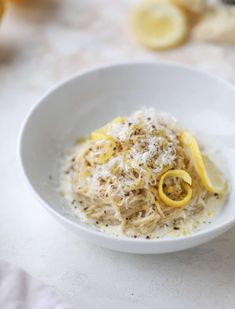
(135, 173)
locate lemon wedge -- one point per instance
(158, 24)
(186, 186)
(211, 178)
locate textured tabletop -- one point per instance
(40, 46)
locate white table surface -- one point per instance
(40, 46)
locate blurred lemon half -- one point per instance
(211, 178)
(158, 24)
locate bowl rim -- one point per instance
(89, 229)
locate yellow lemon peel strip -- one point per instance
(186, 185)
(101, 134)
(103, 130)
(108, 148)
(190, 142)
(97, 135)
(118, 120)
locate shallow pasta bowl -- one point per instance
(79, 105)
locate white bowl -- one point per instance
(79, 105)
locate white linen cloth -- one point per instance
(18, 290)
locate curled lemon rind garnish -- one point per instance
(189, 141)
(101, 134)
(186, 186)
